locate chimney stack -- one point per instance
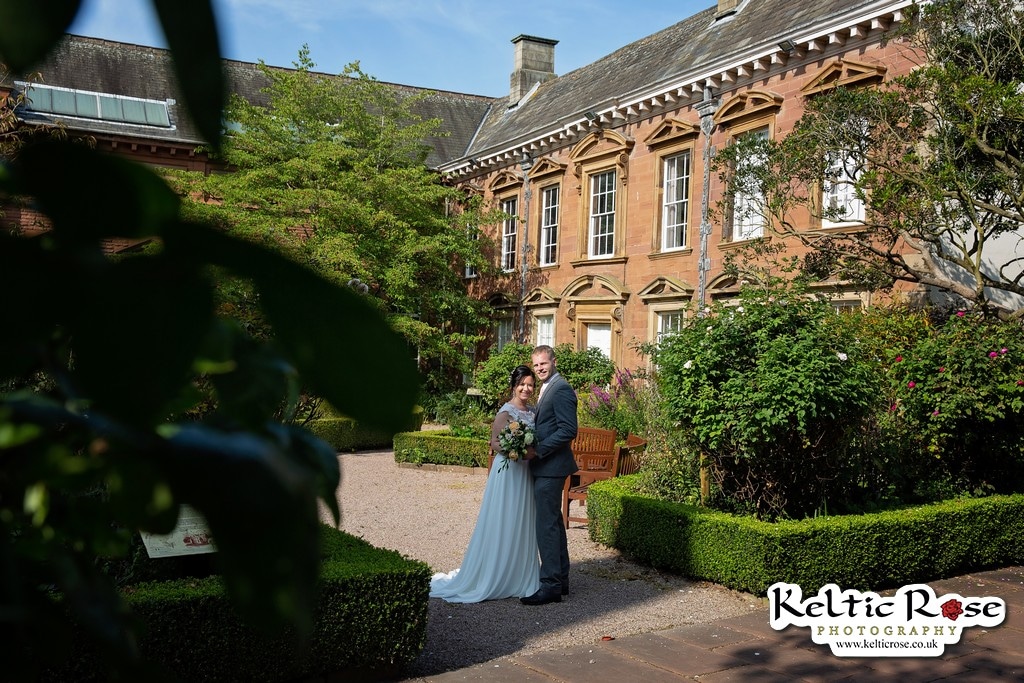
(726, 7)
(534, 63)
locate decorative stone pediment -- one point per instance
(545, 166)
(473, 189)
(844, 72)
(601, 147)
(747, 104)
(591, 287)
(504, 180)
(665, 287)
(500, 300)
(723, 287)
(597, 297)
(672, 130)
(542, 296)
(599, 144)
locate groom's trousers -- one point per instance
(551, 538)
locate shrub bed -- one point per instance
(440, 448)
(371, 620)
(864, 552)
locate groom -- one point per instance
(551, 461)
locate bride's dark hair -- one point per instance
(518, 375)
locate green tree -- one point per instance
(97, 453)
(331, 170)
(934, 156)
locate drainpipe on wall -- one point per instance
(526, 164)
(706, 108)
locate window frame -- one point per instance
(470, 272)
(547, 252)
(538, 316)
(508, 256)
(663, 192)
(504, 337)
(599, 216)
(753, 128)
(858, 212)
(599, 153)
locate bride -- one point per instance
(501, 560)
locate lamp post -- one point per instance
(526, 164)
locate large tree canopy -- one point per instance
(933, 156)
(99, 358)
(332, 170)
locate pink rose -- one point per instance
(959, 314)
(911, 385)
(899, 359)
(993, 354)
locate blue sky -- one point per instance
(458, 45)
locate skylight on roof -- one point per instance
(91, 105)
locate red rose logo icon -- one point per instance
(951, 609)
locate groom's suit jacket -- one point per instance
(555, 427)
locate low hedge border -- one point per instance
(440, 448)
(371, 620)
(863, 552)
(345, 434)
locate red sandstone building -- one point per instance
(605, 169)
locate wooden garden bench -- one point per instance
(598, 458)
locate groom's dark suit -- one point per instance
(555, 429)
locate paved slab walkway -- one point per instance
(746, 648)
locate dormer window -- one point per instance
(47, 99)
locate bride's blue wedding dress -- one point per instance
(501, 560)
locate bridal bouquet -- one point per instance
(513, 439)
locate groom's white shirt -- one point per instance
(544, 386)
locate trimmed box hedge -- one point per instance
(864, 552)
(345, 434)
(440, 448)
(371, 620)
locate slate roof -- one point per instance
(477, 124)
(687, 49)
(104, 66)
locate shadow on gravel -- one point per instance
(429, 515)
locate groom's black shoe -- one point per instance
(542, 597)
(565, 589)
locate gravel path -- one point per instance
(429, 515)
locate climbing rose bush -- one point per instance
(956, 396)
(774, 392)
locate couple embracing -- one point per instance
(519, 547)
